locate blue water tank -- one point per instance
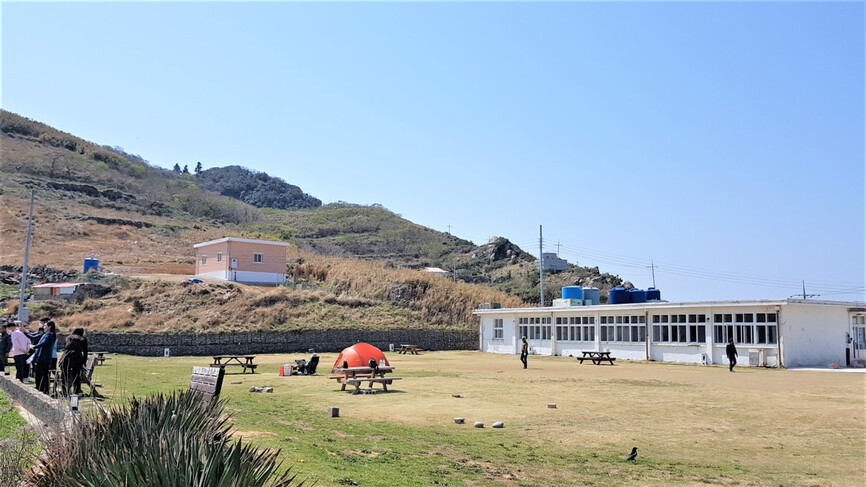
(572, 292)
(653, 294)
(592, 294)
(91, 264)
(636, 296)
(618, 295)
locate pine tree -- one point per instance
(185, 169)
(176, 167)
(198, 167)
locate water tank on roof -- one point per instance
(618, 295)
(91, 264)
(637, 296)
(572, 292)
(592, 294)
(653, 294)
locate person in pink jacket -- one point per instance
(20, 349)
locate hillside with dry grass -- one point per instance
(363, 262)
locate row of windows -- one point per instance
(575, 333)
(619, 320)
(745, 318)
(542, 320)
(742, 334)
(679, 319)
(575, 320)
(535, 332)
(257, 258)
(679, 333)
(746, 334)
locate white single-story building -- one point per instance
(242, 260)
(55, 290)
(436, 271)
(773, 333)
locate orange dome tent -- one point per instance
(359, 355)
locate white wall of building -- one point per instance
(249, 277)
(813, 335)
(808, 333)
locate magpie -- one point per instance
(633, 455)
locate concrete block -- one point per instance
(333, 412)
(459, 420)
(551, 405)
(479, 424)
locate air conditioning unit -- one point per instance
(755, 358)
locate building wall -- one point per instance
(271, 270)
(813, 335)
(212, 266)
(808, 334)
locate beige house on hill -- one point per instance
(242, 260)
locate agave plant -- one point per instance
(167, 440)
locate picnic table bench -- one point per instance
(597, 357)
(245, 361)
(100, 357)
(356, 376)
(413, 349)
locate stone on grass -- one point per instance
(459, 420)
(479, 424)
(333, 412)
(499, 424)
(551, 405)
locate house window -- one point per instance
(497, 329)
(257, 258)
(219, 256)
(203, 260)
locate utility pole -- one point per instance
(653, 267)
(23, 314)
(541, 264)
(804, 290)
(449, 229)
(557, 247)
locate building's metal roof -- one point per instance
(60, 284)
(668, 305)
(244, 240)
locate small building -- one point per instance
(772, 333)
(242, 260)
(436, 271)
(55, 290)
(552, 262)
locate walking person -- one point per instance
(731, 351)
(73, 360)
(524, 352)
(42, 358)
(20, 349)
(5, 347)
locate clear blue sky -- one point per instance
(724, 141)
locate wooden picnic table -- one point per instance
(413, 349)
(100, 357)
(245, 361)
(357, 375)
(597, 357)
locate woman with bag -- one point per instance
(42, 358)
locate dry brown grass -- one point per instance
(693, 425)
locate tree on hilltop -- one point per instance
(198, 167)
(176, 167)
(185, 169)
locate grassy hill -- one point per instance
(141, 219)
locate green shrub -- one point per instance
(174, 440)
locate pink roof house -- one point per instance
(242, 260)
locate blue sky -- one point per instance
(723, 141)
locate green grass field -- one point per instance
(693, 425)
(10, 420)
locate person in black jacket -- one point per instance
(731, 352)
(73, 360)
(5, 347)
(42, 358)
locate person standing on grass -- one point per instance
(731, 351)
(72, 361)
(524, 352)
(20, 349)
(5, 346)
(42, 358)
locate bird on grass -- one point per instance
(633, 455)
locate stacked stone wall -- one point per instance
(274, 342)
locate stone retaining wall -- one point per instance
(275, 342)
(49, 411)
